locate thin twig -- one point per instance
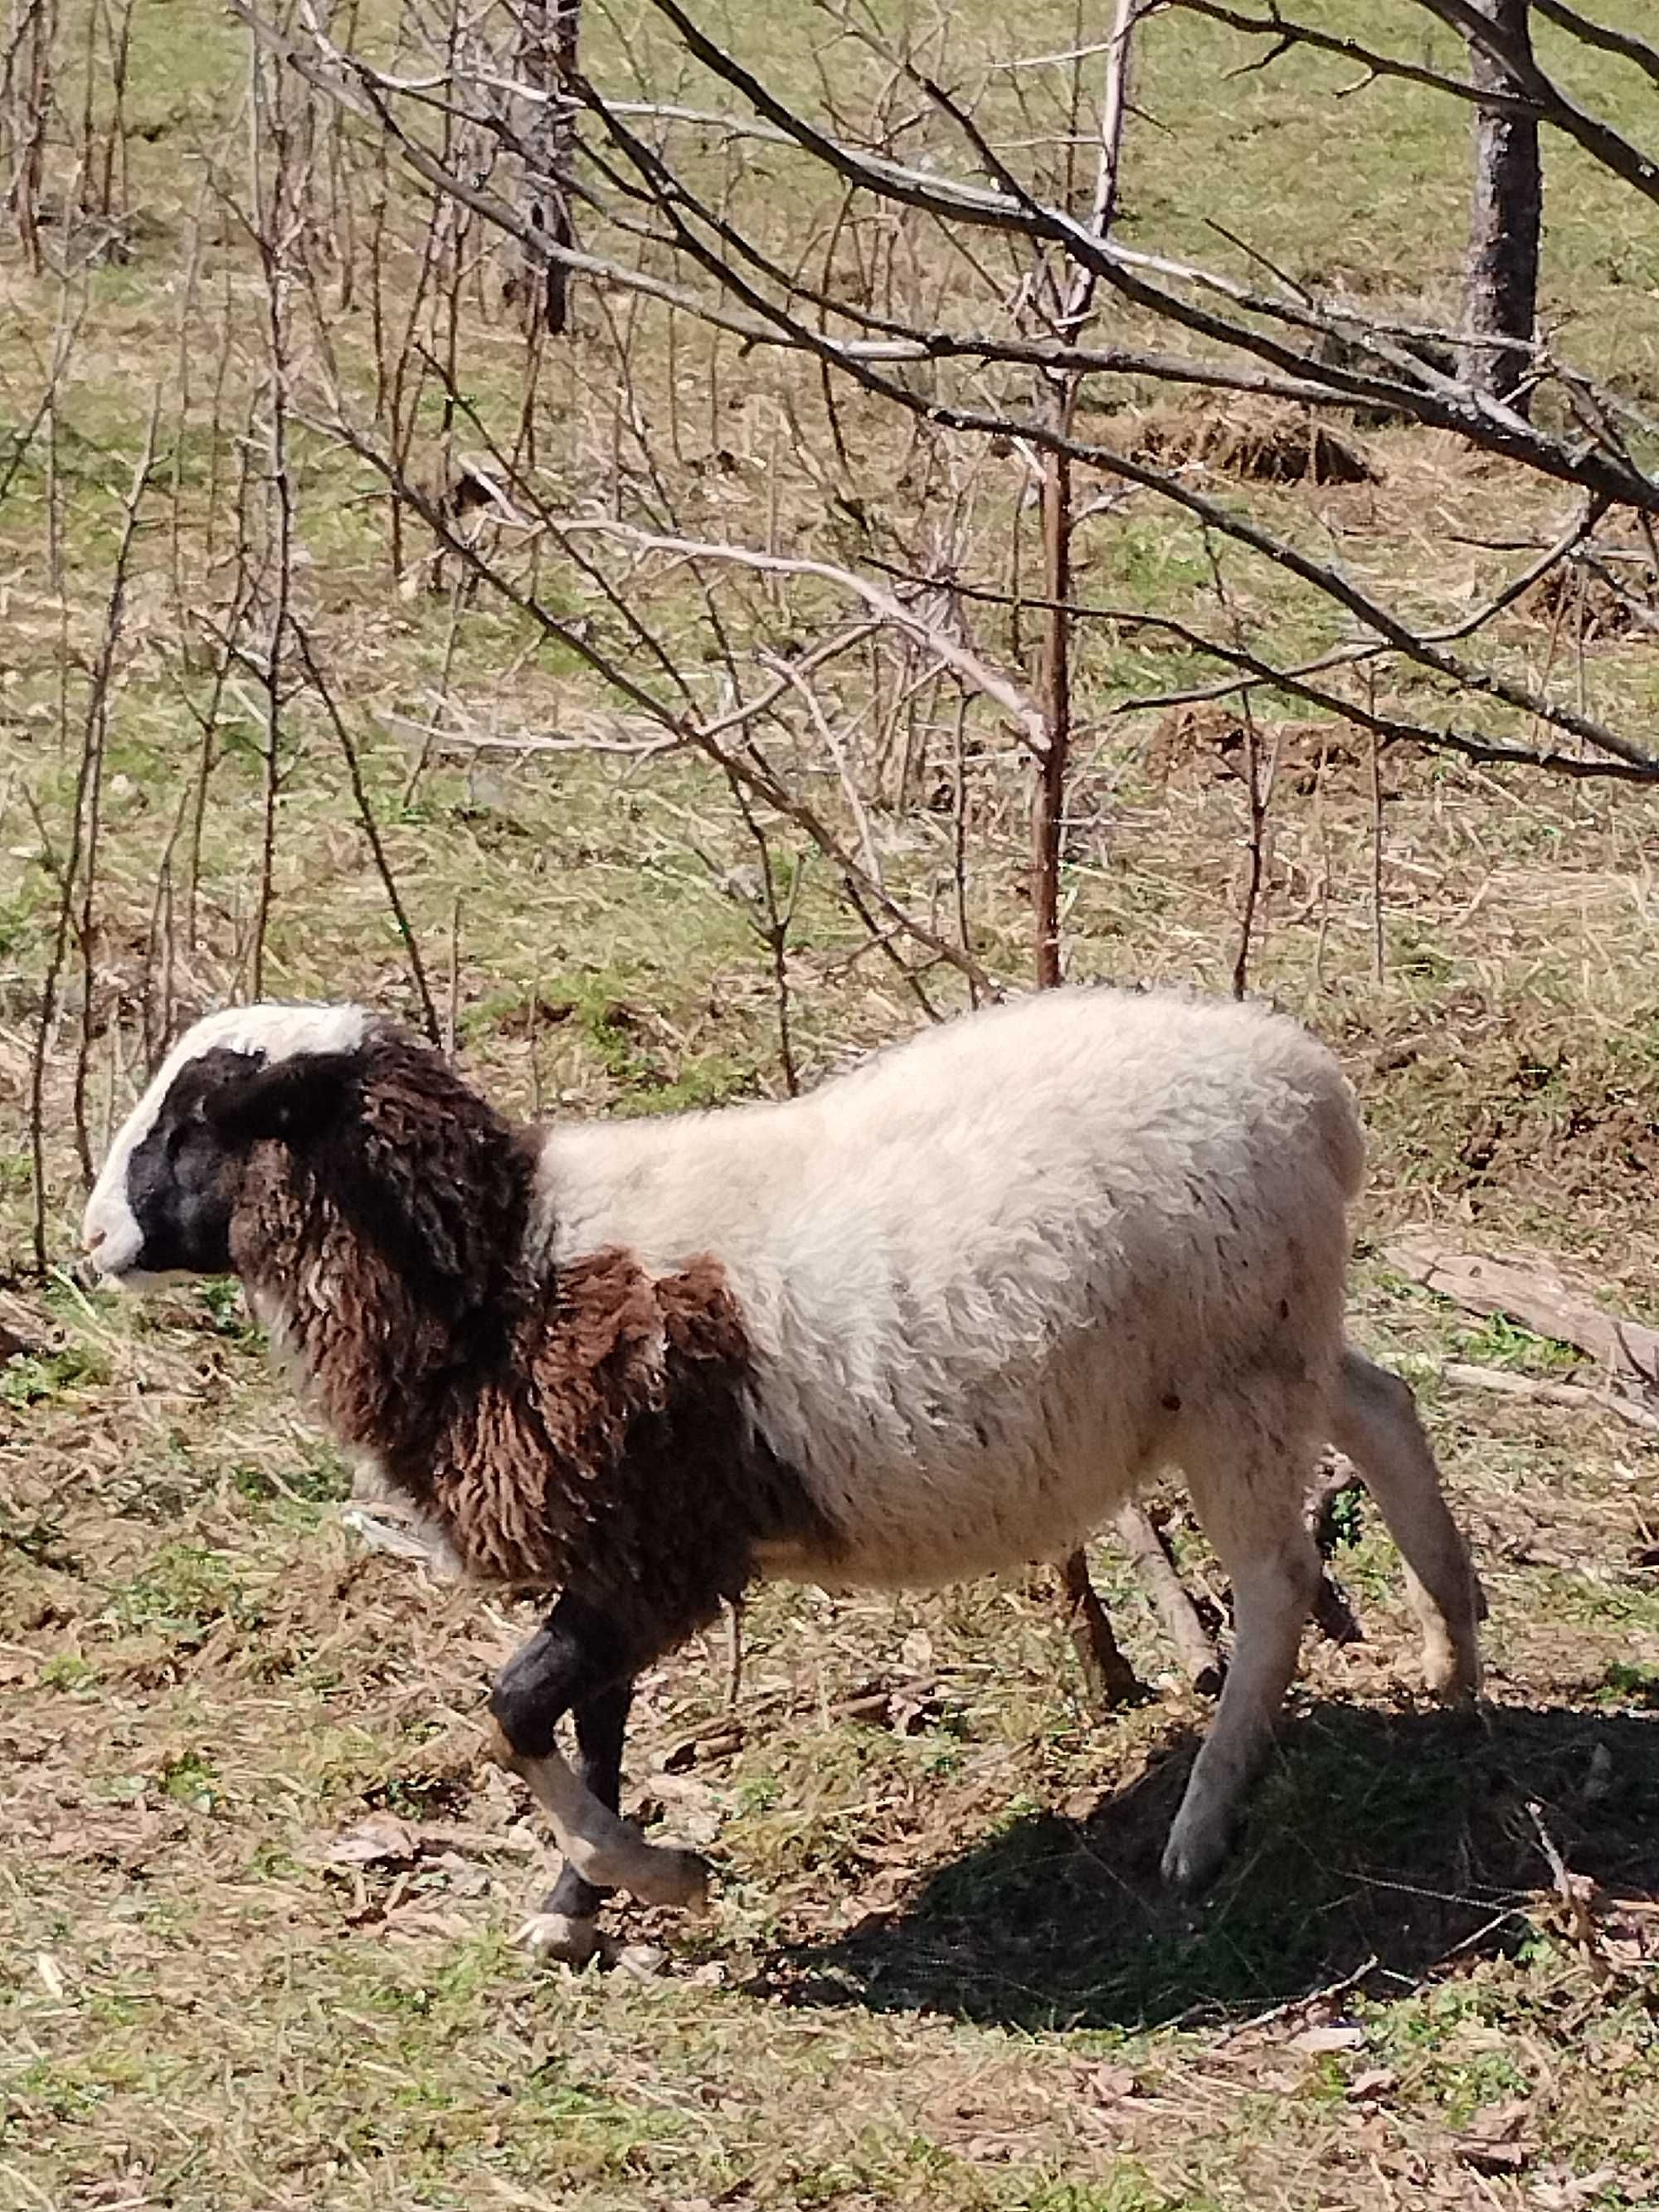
(371, 831)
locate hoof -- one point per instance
(558, 1935)
(1192, 1857)
(664, 1874)
(1452, 1676)
(653, 1873)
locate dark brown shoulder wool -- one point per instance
(611, 1451)
(588, 1430)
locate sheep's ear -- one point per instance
(291, 1101)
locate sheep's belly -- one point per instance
(923, 1530)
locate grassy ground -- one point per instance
(259, 1878)
(258, 1882)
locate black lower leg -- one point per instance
(601, 1724)
(578, 1657)
(584, 1662)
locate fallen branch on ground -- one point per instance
(1192, 1640)
(1508, 1384)
(1528, 1288)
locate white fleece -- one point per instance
(996, 1274)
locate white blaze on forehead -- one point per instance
(277, 1032)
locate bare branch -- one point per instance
(371, 831)
(1540, 96)
(968, 666)
(755, 779)
(1624, 43)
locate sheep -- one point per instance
(939, 1317)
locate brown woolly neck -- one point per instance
(589, 1429)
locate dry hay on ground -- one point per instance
(1206, 744)
(1254, 440)
(1617, 597)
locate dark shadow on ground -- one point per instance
(1400, 1836)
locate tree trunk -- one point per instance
(1047, 820)
(1500, 283)
(548, 57)
(1107, 1676)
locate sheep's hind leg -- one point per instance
(1374, 1420)
(1247, 1488)
(566, 1924)
(576, 1658)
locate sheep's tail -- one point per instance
(1341, 1134)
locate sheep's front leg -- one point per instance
(576, 1659)
(566, 1925)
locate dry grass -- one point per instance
(1255, 442)
(259, 1877)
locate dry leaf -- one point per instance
(382, 1841)
(987, 2149)
(407, 1921)
(1375, 2081)
(1561, 2191)
(1339, 2035)
(703, 1750)
(1110, 2083)
(643, 1961)
(1493, 2143)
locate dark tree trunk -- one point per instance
(552, 31)
(1107, 1677)
(1500, 283)
(1047, 823)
